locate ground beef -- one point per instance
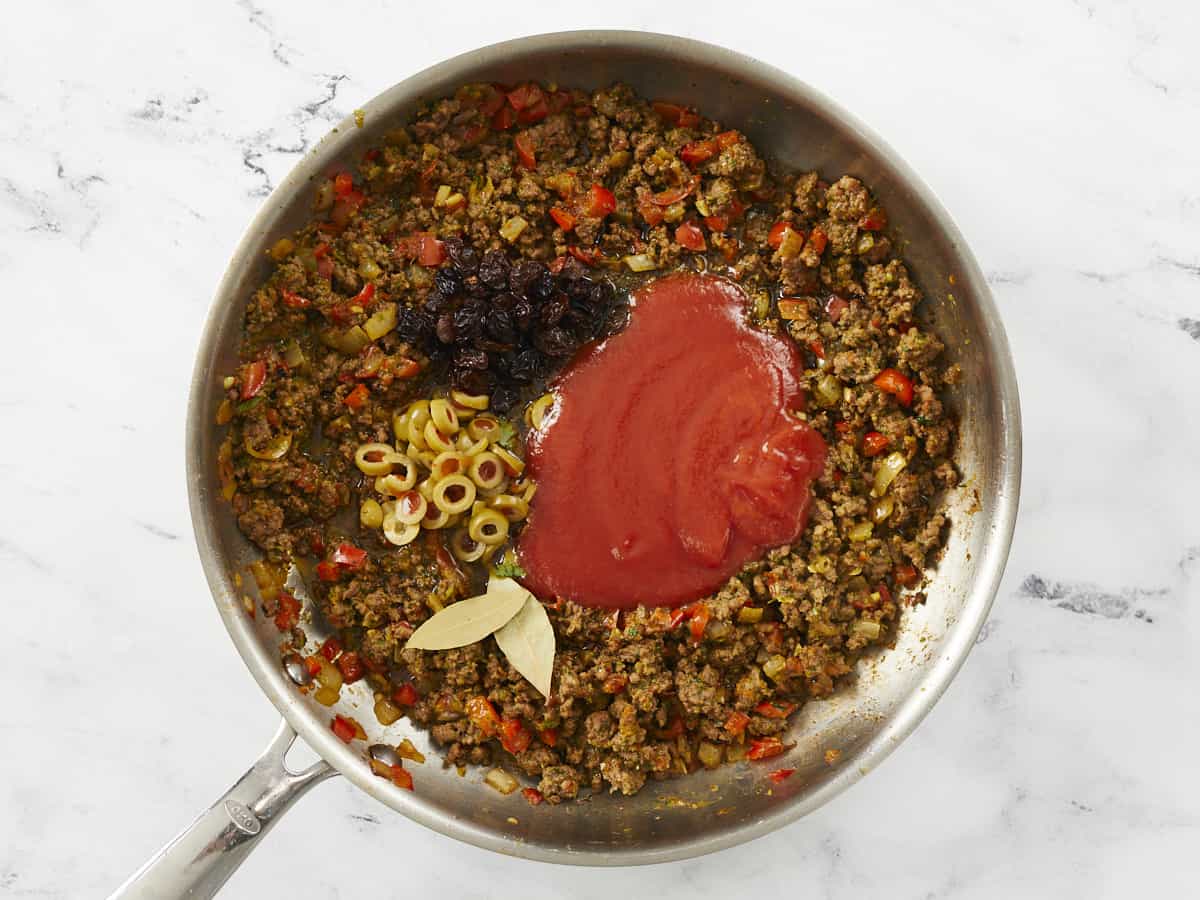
(634, 693)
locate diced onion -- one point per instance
(882, 508)
(501, 781)
(750, 615)
(709, 755)
(827, 391)
(512, 228)
(381, 322)
(886, 471)
(866, 628)
(386, 711)
(774, 667)
(640, 262)
(860, 531)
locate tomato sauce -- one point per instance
(670, 458)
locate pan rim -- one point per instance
(910, 712)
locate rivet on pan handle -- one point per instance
(208, 851)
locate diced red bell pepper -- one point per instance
(557, 101)
(650, 211)
(874, 443)
(818, 240)
(817, 348)
(344, 729)
(835, 306)
(405, 695)
(675, 194)
(483, 715)
(431, 252)
(727, 139)
(331, 648)
(288, 614)
(778, 232)
(549, 736)
(504, 118)
(765, 748)
(343, 184)
(293, 300)
(324, 260)
(587, 257)
(254, 379)
(896, 383)
(351, 667)
(514, 736)
(524, 95)
(737, 722)
(599, 202)
(349, 556)
(717, 223)
(615, 683)
(841, 427)
(313, 665)
(406, 368)
(556, 265)
(906, 575)
(674, 114)
(698, 621)
(562, 218)
(674, 728)
(524, 146)
(874, 220)
(690, 237)
(773, 710)
(533, 795)
(358, 397)
(363, 298)
(884, 594)
(699, 151)
(492, 102)
(327, 571)
(781, 775)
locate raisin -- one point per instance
(448, 282)
(504, 398)
(445, 328)
(551, 312)
(493, 270)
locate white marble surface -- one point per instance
(137, 139)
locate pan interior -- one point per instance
(799, 130)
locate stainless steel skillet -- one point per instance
(708, 811)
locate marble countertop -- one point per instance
(138, 139)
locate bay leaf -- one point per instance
(528, 642)
(472, 619)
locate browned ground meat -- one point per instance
(636, 695)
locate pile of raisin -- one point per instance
(500, 325)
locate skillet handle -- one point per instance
(207, 852)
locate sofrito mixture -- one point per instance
(641, 435)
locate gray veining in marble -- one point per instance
(136, 141)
